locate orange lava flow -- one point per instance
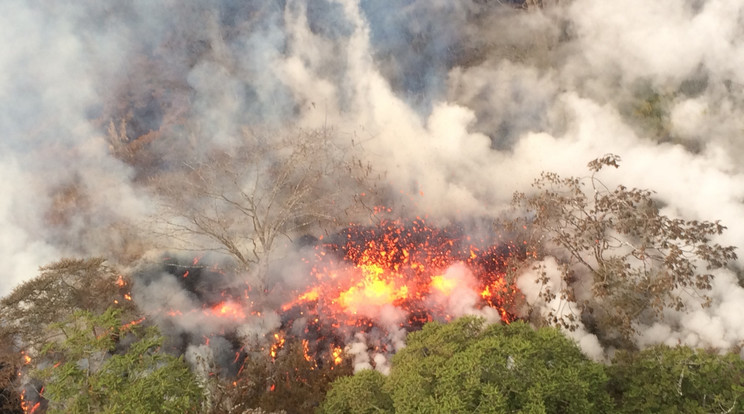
(229, 309)
(407, 267)
(366, 282)
(379, 280)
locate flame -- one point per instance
(26, 407)
(120, 281)
(306, 351)
(278, 344)
(133, 323)
(336, 354)
(24, 403)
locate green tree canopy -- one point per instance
(103, 366)
(362, 393)
(28, 314)
(677, 380)
(467, 367)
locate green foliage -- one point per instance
(650, 112)
(466, 367)
(60, 289)
(639, 260)
(363, 394)
(104, 367)
(677, 380)
(28, 315)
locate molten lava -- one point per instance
(409, 268)
(383, 280)
(366, 285)
(229, 309)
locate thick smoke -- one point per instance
(459, 103)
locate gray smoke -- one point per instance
(460, 103)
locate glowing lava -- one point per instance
(365, 285)
(229, 309)
(367, 270)
(382, 281)
(373, 290)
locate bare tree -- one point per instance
(239, 202)
(640, 261)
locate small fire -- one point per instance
(279, 341)
(336, 353)
(133, 323)
(26, 405)
(306, 351)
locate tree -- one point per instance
(103, 366)
(28, 314)
(293, 382)
(679, 379)
(61, 289)
(639, 261)
(363, 394)
(467, 367)
(239, 203)
(10, 363)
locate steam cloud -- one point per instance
(460, 102)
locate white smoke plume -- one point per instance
(558, 307)
(460, 103)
